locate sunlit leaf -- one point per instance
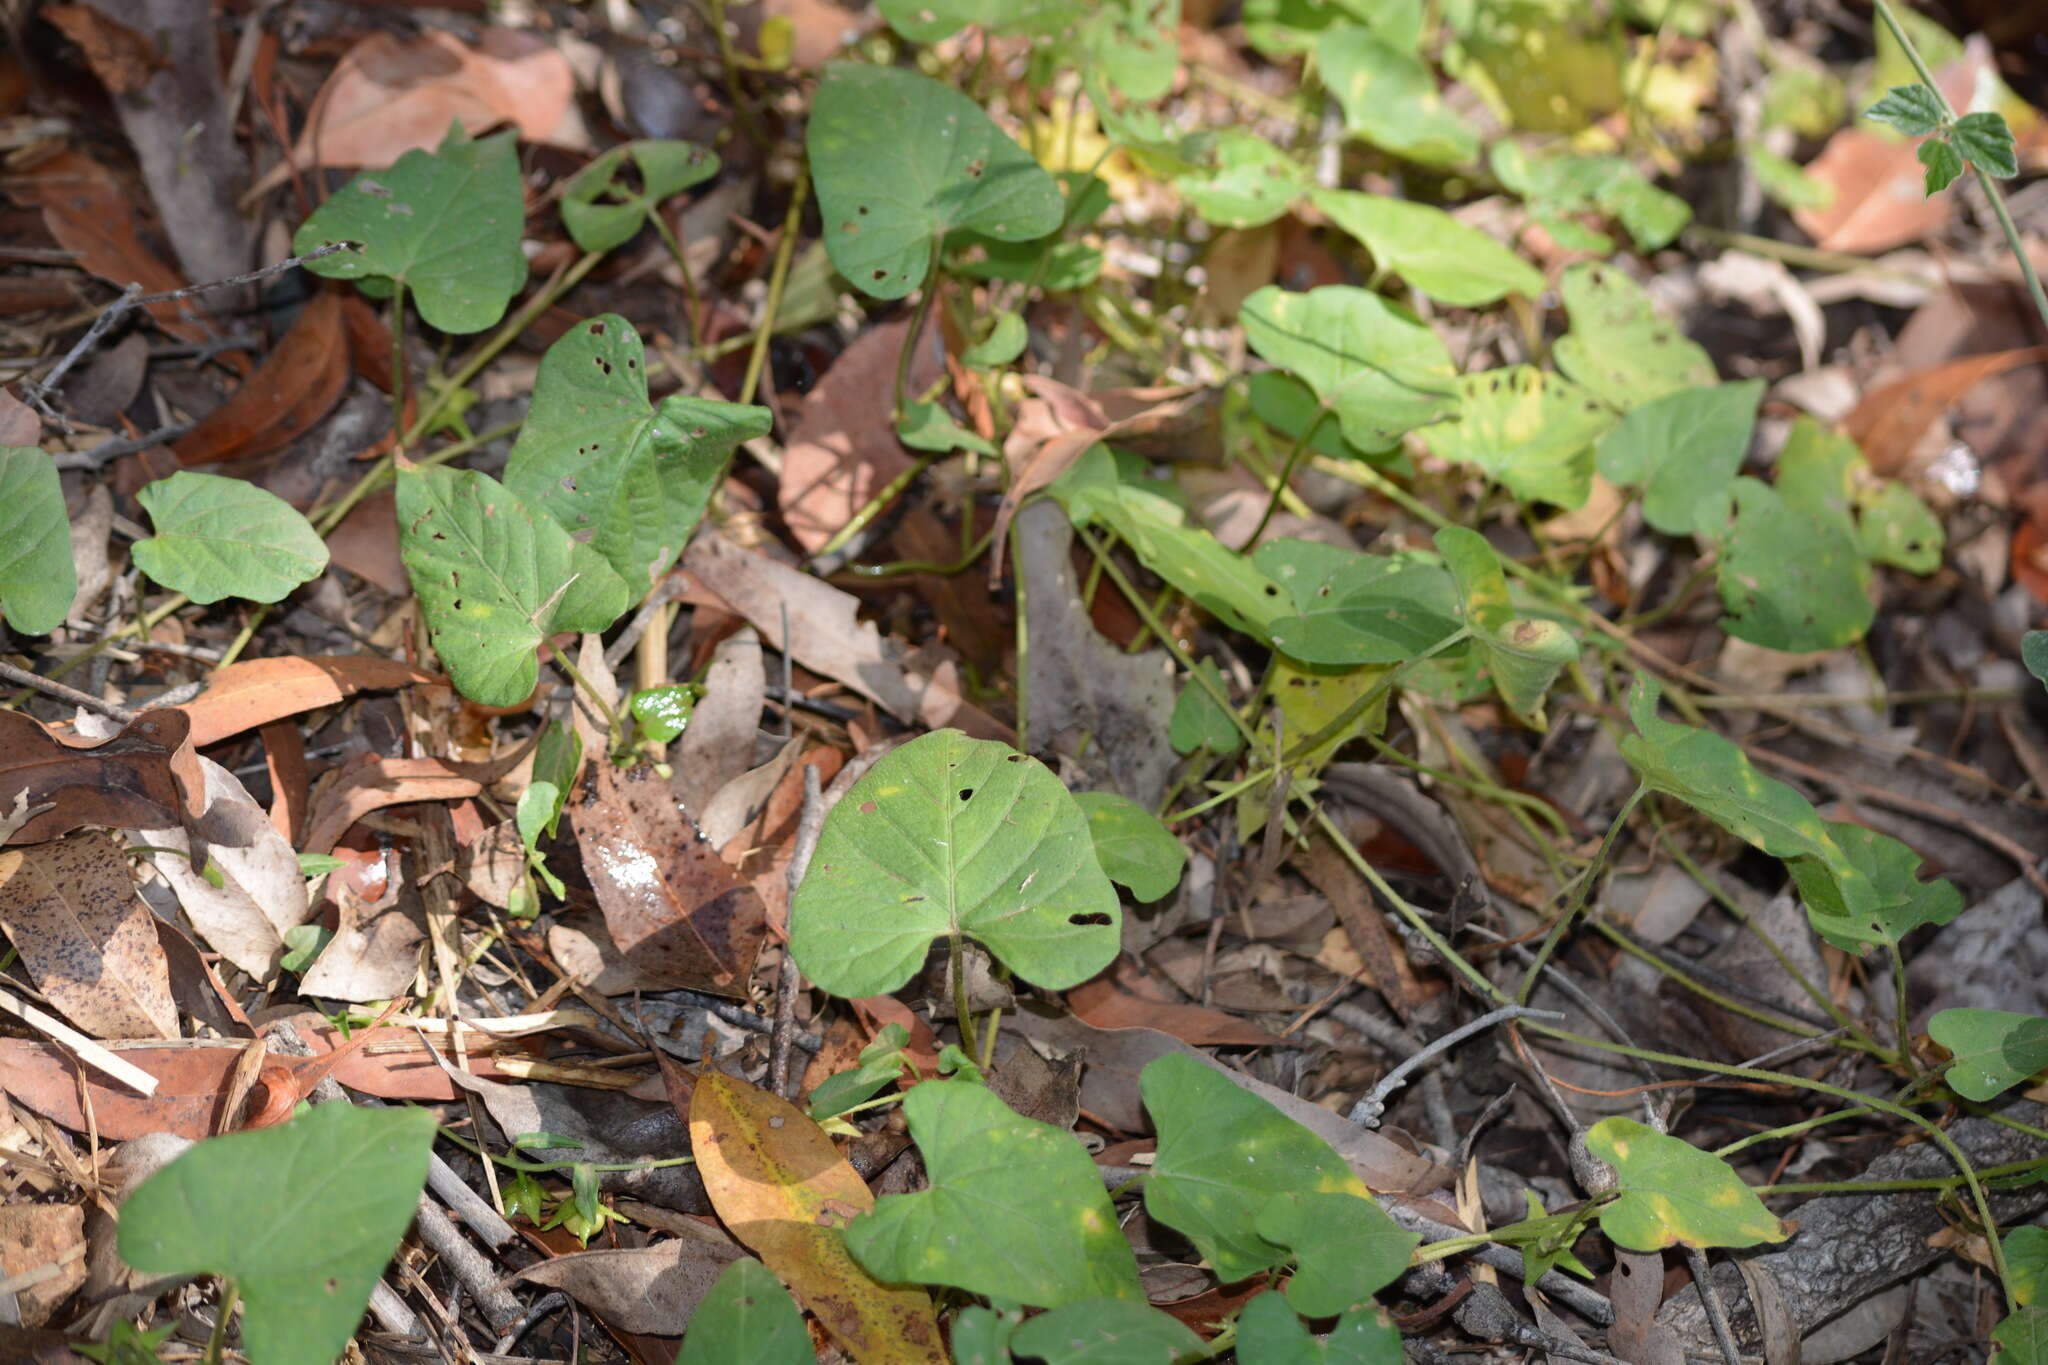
(1435, 253)
(1531, 430)
(1381, 369)
(1619, 346)
(1389, 97)
(1136, 851)
(1670, 1193)
(1250, 181)
(1523, 653)
(218, 537)
(1681, 449)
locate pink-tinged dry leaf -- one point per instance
(369, 784)
(19, 425)
(255, 692)
(675, 910)
(145, 777)
(844, 449)
(1102, 1004)
(388, 97)
(262, 892)
(827, 636)
(1880, 190)
(1890, 421)
(651, 1289)
(295, 386)
(70, 909)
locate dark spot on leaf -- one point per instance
(868, 808)
(967, 793)
(881, 274)
(597, 329)
(1016, 758)
(1094, 918)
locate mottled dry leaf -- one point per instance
(36, 1235)
(145, 777)
(651, 1289)
(782, 1188)
(262, 892)
(255, 692)
(674, 908)
(70, 909)
(297, 384)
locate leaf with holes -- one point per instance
(1346, 1249)
(218, 537)
(37, 578)
(1530, 430)
(1381, 369)
(748, 1316)
(1390, 98)
(950, 835)
(1015, 1210)
(1224, 1153)
(1270, 1333)
(1619, 346)
(1136, 851)
(1994, 1050)
(1435, 253)
(1352, 608)
(303, 1216)
(1682, 449)
(1107, 1332)
(1790, 573)
(608, 464)
(445, 224)
(495, 579)
(603, 205)
(1250, 182)
(900, 160)
(1670, 1193)
(1523, 653)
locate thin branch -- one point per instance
(69, 695)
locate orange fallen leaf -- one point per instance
(1890, 421)
(245, 696)
(780, 1186)
(70, 909)
(372, 784)
(295, 386)
(1101, 1004)
(146, 777)
(1880, 195)
(123, 58)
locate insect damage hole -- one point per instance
(1093, 917)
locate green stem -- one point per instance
(1579, 894)
(872, 508)
(1287, 468)
(917, 317)
(778, 280)
(217, 1341)
(1793, 1129)
(398, 359)
(963, 1016)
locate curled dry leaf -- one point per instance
(253, 693)
(146, 777)
(297, 384)
(674, 909)
(70, 909)
(261, 894)
(373, 783)
(1890, 421)
(652, 1289)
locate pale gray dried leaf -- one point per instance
(739, 802)
(262, 891)
(719, 743)
(652, 1289)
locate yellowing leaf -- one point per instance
(1673, 1194)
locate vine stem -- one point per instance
(1581, 893)
(910, 338)
(778, 280)
(1984, 178)
(217, 1341)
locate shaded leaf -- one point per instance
(1136, 851)
(1106, 1332)
(1524, 654)
(1792, 575)
(1914, 110)
(1346, 1249)
(1269, 1333)
(602, 207)
(1198, 722)
(1994, 1050)
(37, 577)
(1942, 161)
(1983, 140)
(748, 1316)
(69, 908)
(146, 777)
(1353, 608)
(1670, 1193)
(1681, 449)
(218, 537)
(2034, 653)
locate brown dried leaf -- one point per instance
(70, 909)
(146, 777)
(295, 386)
(1890, 421)
(372, 784)
(19, 425)
(36, 1235)
(1101, 1004)
(651, 1289)
(123, 58)
(673, 907)
(246, 695)
(1881, 198)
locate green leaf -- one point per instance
(1107, 1332)
(1269, 1333)
(444, 224)
(2034, 653)
(1390, 99)
(1435, 253)
(1005, 342)
(748, 1316)
(1530, 430)
(881, 1062)
(1670, 1193)
(1524, 654)
(1791, 575)
(1986, 143)
(927, 21)
(982, 1337)
(664, 712)
(1377, 366)
(2022, 1338)
(1914, 110)
(1681, 449)
(951, 835)
(1869, 891)
(1559, 185)
(1136, 851)
(1995, 1050)
(2026, 1264)
(1134, 45)
(1290, 407)
(1223, 1155)
(1787, 182)
(218, 537)
(603, 207)
(1895, 527)
(1198, 722)
(558, 760)
(1943, 164)
(927, 426)
(1353, 608)
(1014, 1210)
(900, 160)
(1346, 1249)
(495, 578)
(1619, 346)
(303, 1216)
(1250, 183)
(303, 945)
(607, 464)
(37, 577)
(538, 804)
(1289, 28)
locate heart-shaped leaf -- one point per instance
(1670, 1193)
(1619, 346)
(302, 1216)
(37, 578)
(2026, 1262)
(1107, 1332)
(1523, 653)
(1994, 1049)
(444, 224)
(1354, 608)
(1224, 1153)
(900, 160)
(603, 461)
(1270, 1333)
(1870, 890)
(748, 1316)
(951, 835)
(1043, 1230)
(1682, 449)
(1791, 574)
(1250, 181)
(1390, 99)
(603, 208)
(218, 537)
(1531, 430)
(1136, 851)
(1376, 365)
(496, 578)
(1435, 253)
(1346, 1249)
